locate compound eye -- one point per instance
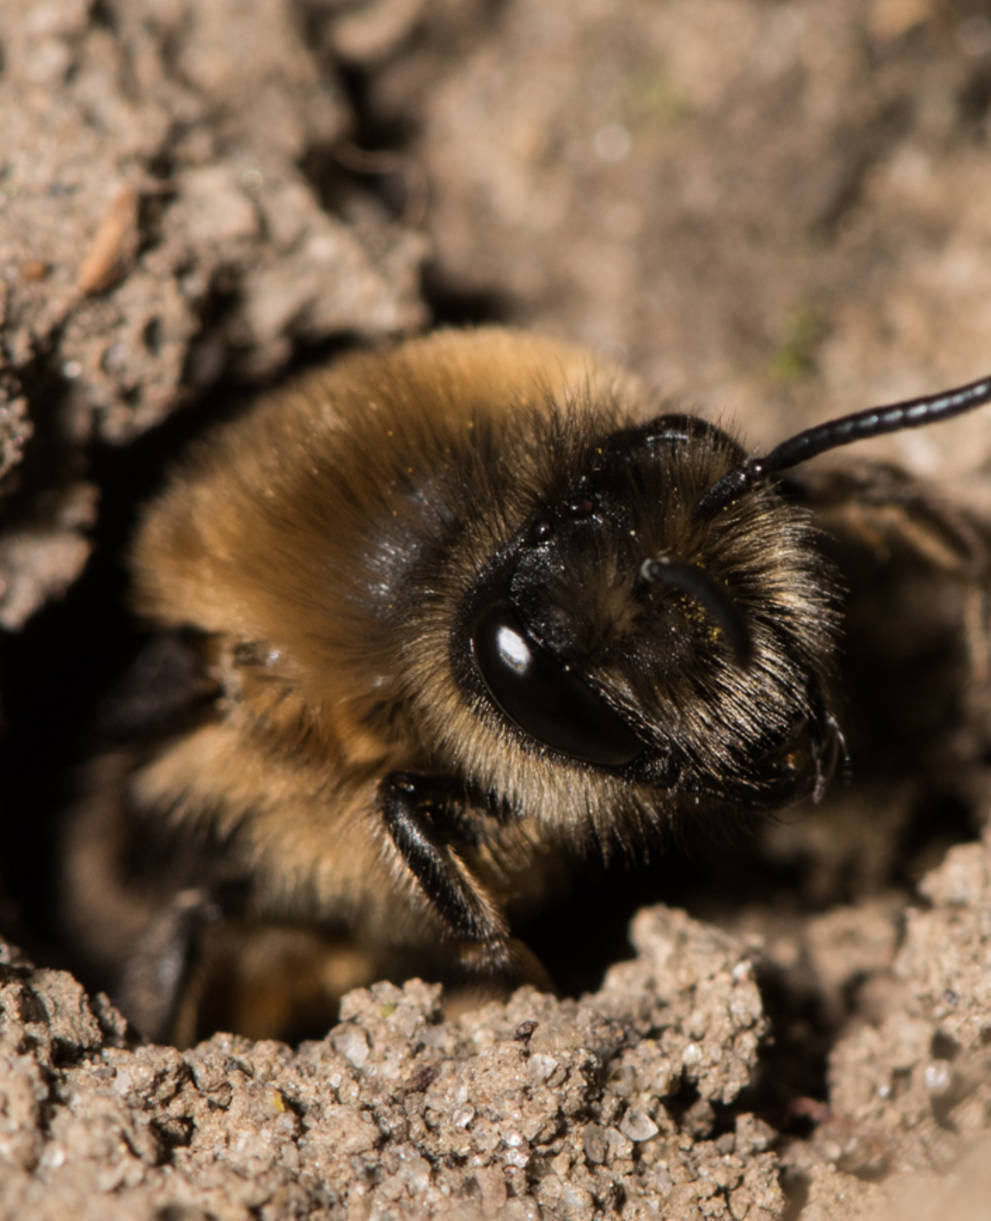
(545, 700)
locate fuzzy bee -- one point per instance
(434, 621)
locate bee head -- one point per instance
(620, 631)
(670, 619)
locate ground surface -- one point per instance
(776, 210)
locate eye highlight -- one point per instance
(513, 650)
(544, 699)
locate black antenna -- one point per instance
(692, 580)
(912, 413)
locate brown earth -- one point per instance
(775, 210)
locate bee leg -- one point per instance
(418, 816)
(951, 542)
(155, 985)
(516, 965)
(882, 508)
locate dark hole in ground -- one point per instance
(60, 670)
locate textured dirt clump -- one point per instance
(567, 1107)
(907, 1090)
(157, 230)
(906, 1128)
(775, 213)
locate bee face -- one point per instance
(458, 606)
(566, 636)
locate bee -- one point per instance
(432, 622)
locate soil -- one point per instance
(775, 213)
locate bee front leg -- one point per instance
(417, 812)
(422, 817)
